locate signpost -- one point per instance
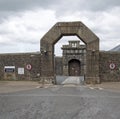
(9, 72)
(29, 67)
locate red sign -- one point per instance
(28, 67)
(112, 66)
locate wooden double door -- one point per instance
(74, 67)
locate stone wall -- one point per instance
(106, 73)
(20, 60)
(58, 66)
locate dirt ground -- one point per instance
(113, 86)
(14, 86)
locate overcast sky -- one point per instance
(24, 22)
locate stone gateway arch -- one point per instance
(70, 29)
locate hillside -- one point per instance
(117, 48)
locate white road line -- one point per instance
(91, 88)
(38, 87)
(98, 88)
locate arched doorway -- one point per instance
(74, 67)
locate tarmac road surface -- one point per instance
(61, 102)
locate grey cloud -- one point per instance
(16, 5)
(13, 7)
(61, 5)
(100, 5)
(70, 6)
(5, 14)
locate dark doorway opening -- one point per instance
(74, 67)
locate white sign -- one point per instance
(20, 70)
(9, 67)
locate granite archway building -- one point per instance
(67, 29)
(95, 65)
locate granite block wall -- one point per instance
(58, 66)
(109, 64)
(27, 66)
(20, 61)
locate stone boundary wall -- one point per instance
(106, 72)
(20, 60)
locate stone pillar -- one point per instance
(92, 70)
(47, 63)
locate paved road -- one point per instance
(61, 102)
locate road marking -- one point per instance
(69, 85)
(41, 87)
(91, 88)
(47, 86)
(38, 87)
(98, 88)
